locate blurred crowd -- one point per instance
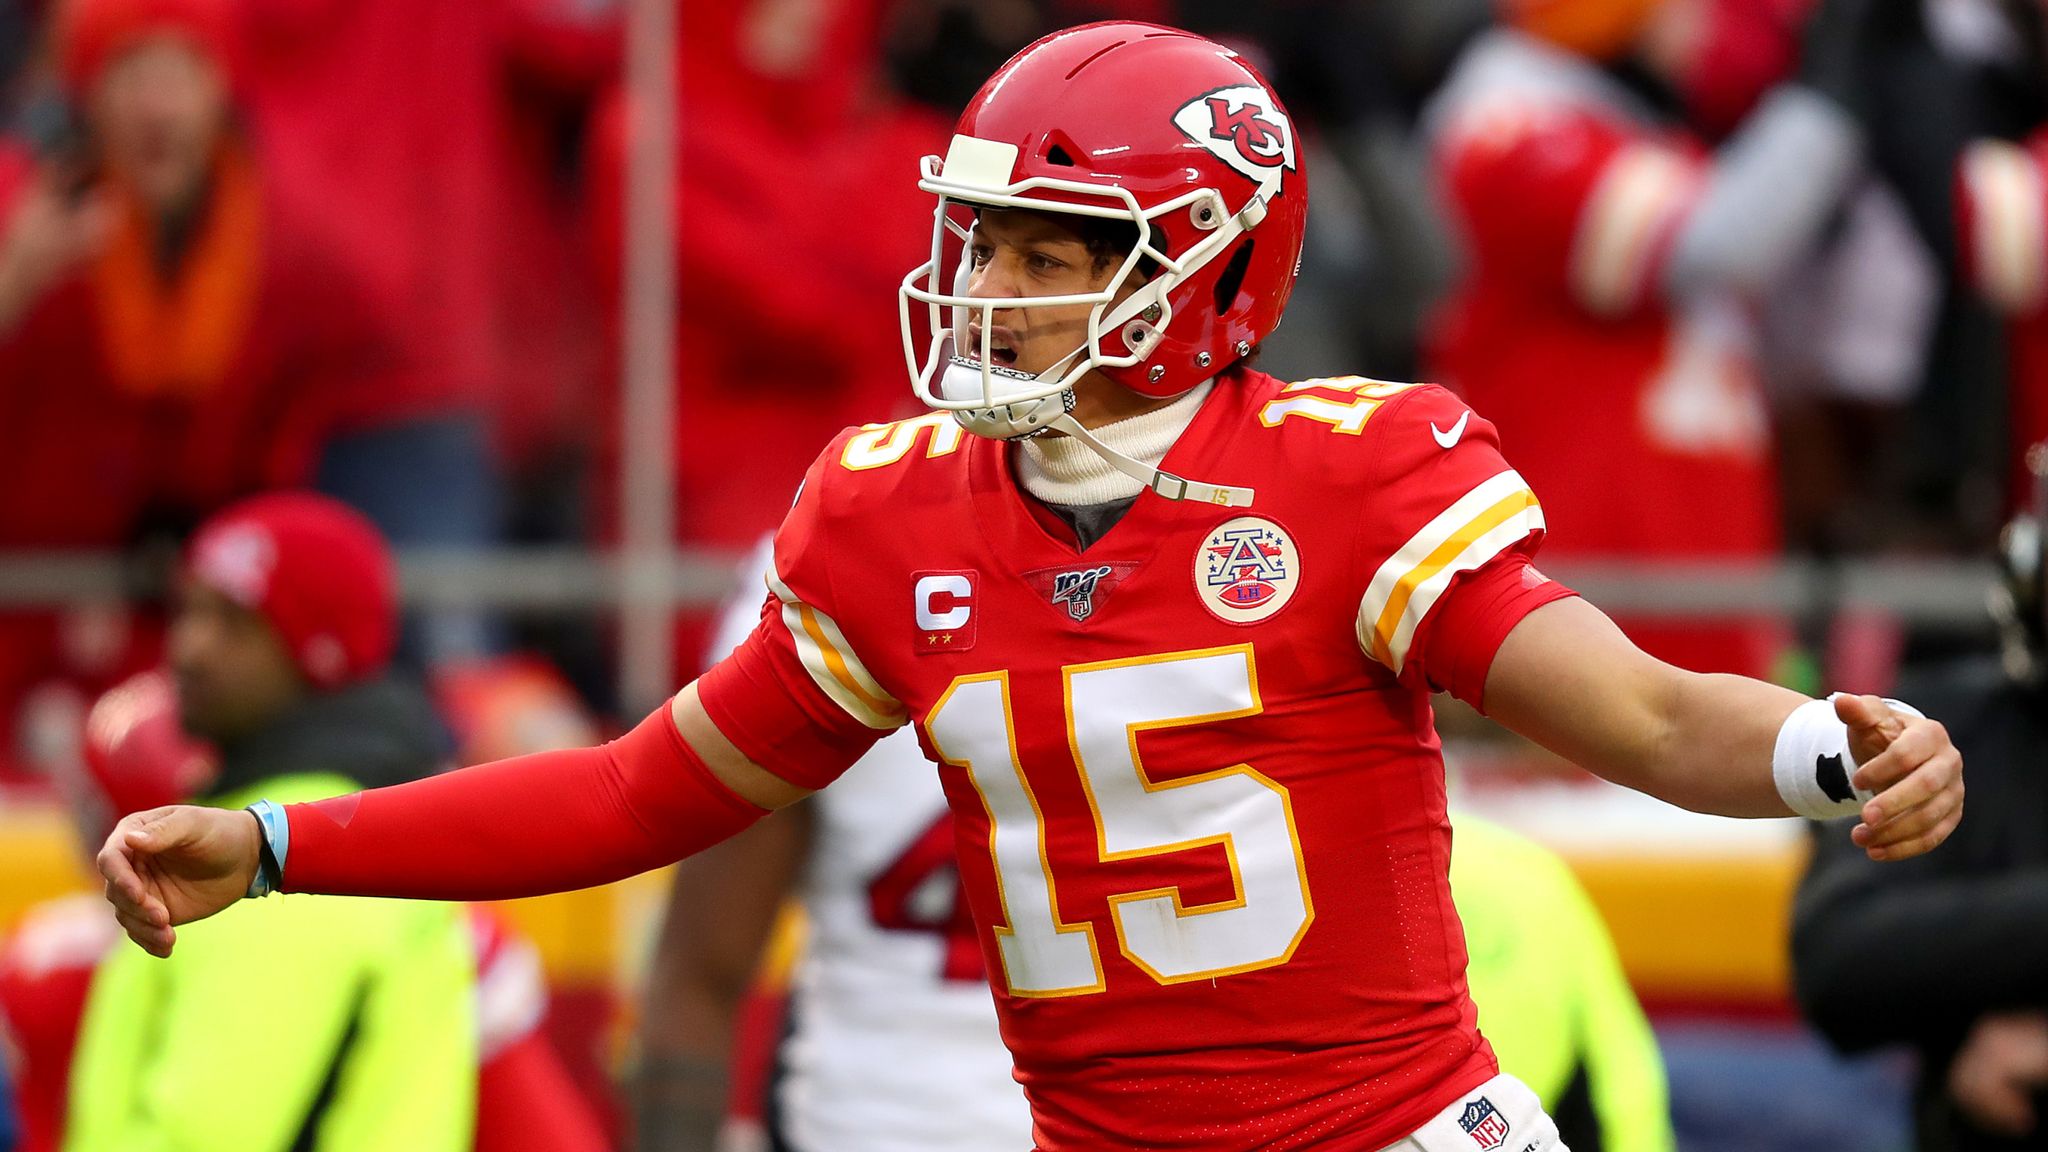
(1775, 264)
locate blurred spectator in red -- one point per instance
(1605, 319)
(2002, 200)
(396, 120)
(1846, 331)
(560, 57)
(172, 333)
(798, 215)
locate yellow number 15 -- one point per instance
(1252, 817)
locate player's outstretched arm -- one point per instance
(520, 827)
(1568, 679)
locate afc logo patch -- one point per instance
(943, 606)
(1244, 128)
(1246, 570)
(1484, 1123)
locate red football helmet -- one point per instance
(1123, 121)
(136, 755)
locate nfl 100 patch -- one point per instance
(1079, 591)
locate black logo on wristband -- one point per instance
(1833, 777)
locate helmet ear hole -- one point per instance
(1058, 155)
(1232, 277)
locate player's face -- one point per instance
(158, 112)
(1023, 253)
(232, 669)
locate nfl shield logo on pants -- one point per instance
(1484, 1123)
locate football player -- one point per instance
(888, 1009)
(1167, 626)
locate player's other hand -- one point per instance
(1915, 771)
(171, 866)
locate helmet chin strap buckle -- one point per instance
(1164, 483)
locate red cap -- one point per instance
(136, 755)
(316, 569)
(93, 32)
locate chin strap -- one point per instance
(1164, 483)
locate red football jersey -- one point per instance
(1198, 797)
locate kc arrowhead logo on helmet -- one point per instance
(1244, 127)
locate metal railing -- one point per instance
(1930, 593)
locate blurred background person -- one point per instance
(1964, 991)
(172, 335)
(1957, 72)
(137, 757)
(889, 1008)
(786, 324)
(284, 627)
(431, 132)
(1604, 317)
(134, 757)
(2002, 224)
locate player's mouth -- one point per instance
(1002, 345)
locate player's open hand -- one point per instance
(1915, 771)
(171, 866)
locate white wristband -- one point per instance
(1813, 766)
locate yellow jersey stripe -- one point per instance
(1452, 549)
(832, 664)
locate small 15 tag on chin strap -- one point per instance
(1222, 495)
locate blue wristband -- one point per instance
(277, 840)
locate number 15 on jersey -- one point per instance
(1108, 704)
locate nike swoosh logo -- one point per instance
(1449, 439)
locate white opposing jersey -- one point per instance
(893, 1044)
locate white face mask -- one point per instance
(1003, 404)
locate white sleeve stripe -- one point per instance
(2007, 243)
(832, 664)
(1488, 545)
(1433, 535)
(1611, 250)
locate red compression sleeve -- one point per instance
(520, 827)
(1474, 618)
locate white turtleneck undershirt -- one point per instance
(1062, 471)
